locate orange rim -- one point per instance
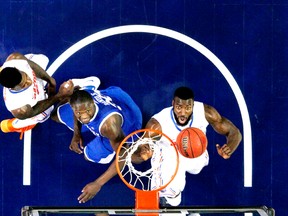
(124, 141)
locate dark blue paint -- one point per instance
(249, 37)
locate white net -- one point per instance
(154, 173)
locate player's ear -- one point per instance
(173, 101)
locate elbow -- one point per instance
(239, 135)
(235, 134)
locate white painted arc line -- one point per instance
(247, 137)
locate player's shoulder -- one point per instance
(163, 113)
(199, 104)
(15, 55)
(165, 110)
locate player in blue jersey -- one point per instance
(110, 115)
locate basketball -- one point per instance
(191, 142)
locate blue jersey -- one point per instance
(112, 100)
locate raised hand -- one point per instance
(76, 144)
(66, 89)
(224, 151)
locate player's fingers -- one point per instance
(70, 84)
(219, 150)
(74, 147)
(81, 144)
(226, 149)
(218, 147)
(78, 150)
(228, 154)
(84, 197)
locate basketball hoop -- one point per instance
(148, 179)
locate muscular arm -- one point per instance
(112, 130)
(144, 152)
(153, 124)
(27, 111)
(76, 144)
(224, 127)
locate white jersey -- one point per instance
(169, 126)
(192, 165)
(32, 94)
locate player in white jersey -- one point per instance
(185, 112)
(24, 79)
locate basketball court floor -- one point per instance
(231, 53)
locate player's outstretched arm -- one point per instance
(224, 127)
(27, 111)
(91, 189)
(112, 130)
(76, 144)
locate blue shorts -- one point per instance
(97, 149)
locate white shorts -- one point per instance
(172, 192)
